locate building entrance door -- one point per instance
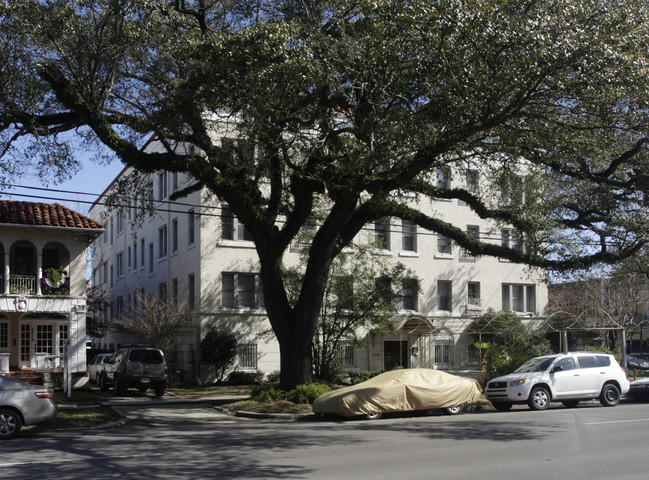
(46, 337)
(395, 354)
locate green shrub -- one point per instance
(273, 377)
(265, 394)
(245, 378)
(358, 376)
(307, 393)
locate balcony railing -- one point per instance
(30, 285)
(22, 285)
(473, 303)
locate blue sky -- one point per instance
(91, 181)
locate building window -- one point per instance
(149, 198)
(174, 182)
(174, 235)
(519, 298)
(162, 186)
(444, 246)
(382, 233)
(134, 256)
(151, 257)
(442, 353)
(105, 272)
(111, 276)
(190, 227)
(142, 253)
(345, 353)
(247, 356)
(232, 228)
(240, 290)
(4, 334)
(444, 295)
(409, 236)
(473, 181)
(162, 291)
(443, 178)
(473, 294)
(120, 264)
(162, 242)
(174, 290)
(409, 293)
(112, 229)
(119, 307)
(191, 291)
(120, 221)
(129, 258)
(472, 231)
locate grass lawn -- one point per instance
(211, 390)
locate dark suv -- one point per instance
(139, 366)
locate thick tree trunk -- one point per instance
(296, 363)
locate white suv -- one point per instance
(565, 377)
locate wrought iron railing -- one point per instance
(22, 285)
(473, 303)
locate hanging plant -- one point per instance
(56, 281)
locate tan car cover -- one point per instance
(400, 391)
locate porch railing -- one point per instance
(22, 285)
(30, 285)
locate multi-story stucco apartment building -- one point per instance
(195, 247)
(40, 314)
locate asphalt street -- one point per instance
(196, 441)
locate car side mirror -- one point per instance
(558, 368)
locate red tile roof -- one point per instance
(45, 214)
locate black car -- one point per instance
(639, 390)
(636, 363)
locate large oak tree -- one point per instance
(355, 106)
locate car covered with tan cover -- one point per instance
(400, 391)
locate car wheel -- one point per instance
(10, 423)
(373, 415)
(502, 406)
(103, 386)
(539, 398)
(456, 410)
(610, 395)
(570, 403)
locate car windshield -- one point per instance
(145, 356)
(535, 365)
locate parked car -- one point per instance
(637, 363)
(399, 391)
(567, 378)
(639, 390)
(23, 404)
(139, 366)
(96, 365)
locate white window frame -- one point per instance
(519, 297)
(233, 292)
(162, 242)
(382, 233)
(408, 236)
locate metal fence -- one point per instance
(182, 367)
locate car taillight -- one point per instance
(123, 368)
(166, 369)
(43, 395)
(622, 368)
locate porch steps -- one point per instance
(28, 376)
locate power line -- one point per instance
(394, 228)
